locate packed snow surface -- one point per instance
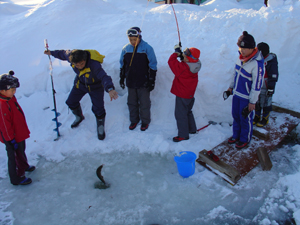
(145, 185)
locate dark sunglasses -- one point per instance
(188, 53)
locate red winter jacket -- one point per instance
(185, 82)
(12, 120)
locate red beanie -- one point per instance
(195, 53)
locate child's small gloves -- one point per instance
(150, 86)
(122, 78)
(14, 144)
(178, 48)
(226, 94)
(245, 112)
(122, 83)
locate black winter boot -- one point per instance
(78, 116)
(100, 126)
(256, 119)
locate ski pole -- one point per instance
(53, 93)
(209, 123)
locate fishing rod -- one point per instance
(181, 56)
(177, 25)
(53, 93)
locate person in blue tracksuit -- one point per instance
(138, 66)
(245, 87)
(90, 78)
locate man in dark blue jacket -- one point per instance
(138, 66)
(90, 78)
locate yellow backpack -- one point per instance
(95, 55)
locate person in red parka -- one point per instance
(13, 130)
(184, 87)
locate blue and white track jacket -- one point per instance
(248, 77)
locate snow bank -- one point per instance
(213, 27)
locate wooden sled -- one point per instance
(235, 164)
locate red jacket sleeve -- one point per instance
(177, 67)
(6, 125)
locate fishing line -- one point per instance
(138, 34)
(145, 13)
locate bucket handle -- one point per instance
(180, 153)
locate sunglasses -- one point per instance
(188, 53)
(133, 33)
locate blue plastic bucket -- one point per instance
(186, 163)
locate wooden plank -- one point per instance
(228, 171)
(264, 158)
(261, 134)
(279, 109)
(243, 161)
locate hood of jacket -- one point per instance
(270, 57)
(194, 67)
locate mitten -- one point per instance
(122, 78)
(245, 112)
(14, 144)
(178, 48)
(226, 94)
(151, 84)
(122, 83)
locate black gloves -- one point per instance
(178, 49)
(151, 84)
(122, 83)
(270, 92)
(122, 78)
(245, 112)
(14, 144)
(151, 80)
(226, 94)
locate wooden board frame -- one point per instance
(235, 164)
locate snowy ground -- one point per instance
(145, 185)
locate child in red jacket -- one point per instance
(184, 87)
(13, 130)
